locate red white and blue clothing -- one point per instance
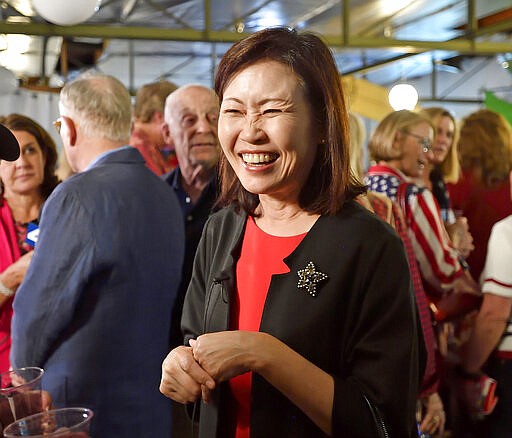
(390, 212)
(437, 258)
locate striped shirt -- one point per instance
(391, 213)
(438, 260)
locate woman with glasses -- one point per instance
(25, 184)
(401, 146)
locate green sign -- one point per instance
(499, 105)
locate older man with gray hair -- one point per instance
(94, 308)
(191, 114)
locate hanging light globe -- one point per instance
(66, 12)
(403, 96)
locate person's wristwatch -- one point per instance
(462, 372)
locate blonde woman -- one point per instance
(442, 167)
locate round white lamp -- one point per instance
(403, 96)
(66, 12)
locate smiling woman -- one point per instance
(25, 184)
(267, 130)
(397, 147)
(292, 258)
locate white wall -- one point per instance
(42, 107)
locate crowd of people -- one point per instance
(223, 263)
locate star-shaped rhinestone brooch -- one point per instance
(309, 277)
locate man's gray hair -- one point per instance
(100, 104)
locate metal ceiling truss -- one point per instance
(469, 44)
(463, 45)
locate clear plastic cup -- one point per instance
(61, 423)
(20, 394)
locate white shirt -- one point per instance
(496, 277)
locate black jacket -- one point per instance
(361, 326)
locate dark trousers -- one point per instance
(499, 423)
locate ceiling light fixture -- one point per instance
(403, 96)
(66, 12)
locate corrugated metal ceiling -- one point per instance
(143, 40)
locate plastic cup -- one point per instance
(61, 423)
(20, 394)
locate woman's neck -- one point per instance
(24, 208)
(283, 219)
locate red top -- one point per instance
(261, 257)
(483, 206)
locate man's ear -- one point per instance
(70, 130)
(166, 133)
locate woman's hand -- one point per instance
(13, 275)
(460, 236)
(183, 379)
(434, 419)
(224, 355)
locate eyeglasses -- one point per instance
(424, 142)
(57, 124)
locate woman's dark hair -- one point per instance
(330, 182)
(17, 122)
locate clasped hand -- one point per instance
(192, 372)
(460, 236)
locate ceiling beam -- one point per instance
(461, 45)
(120, 32)
(377, 64)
